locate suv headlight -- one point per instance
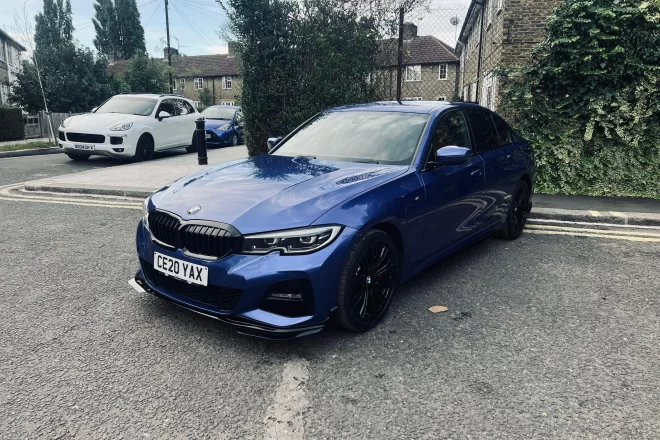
(292, 241)
(66, 122)
(122, 127)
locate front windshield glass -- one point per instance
(359, 136)
(130, 105)
(219, 113)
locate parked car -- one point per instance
(131, 126)
(342, 210)
(224, 125)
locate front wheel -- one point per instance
(234, 140)
(368, 282)
(145, 149)
(518, 212)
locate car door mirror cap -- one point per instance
(94, 109)
(452, 155)
(272, 142)
(163, 115)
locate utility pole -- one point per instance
(399, 66)
(169, 48)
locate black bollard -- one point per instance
(202, 158)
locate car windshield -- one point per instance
(359, 136)
(219, 113)
(130, 105)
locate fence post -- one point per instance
(200, 132)
(400, 56)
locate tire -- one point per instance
(234, 140)
(78, 157)
(360, 282)
(518, 212)
(193, 144)
(145, 149)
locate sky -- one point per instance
(195, 24)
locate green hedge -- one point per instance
(11, 124)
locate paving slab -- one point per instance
(134, 180)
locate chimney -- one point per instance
(409, 31)
(174, 51)
(231, 49)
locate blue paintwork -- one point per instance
(432, 212)
(224, 137)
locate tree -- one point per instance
(54, 26)
(146, 75)
(205, 98)
(107, 39)
(589, 100)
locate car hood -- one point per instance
(267, 193)
(212, 124)
(100, 120)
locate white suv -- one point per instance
(131, 126)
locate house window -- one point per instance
(442, 72)
(199, 83)
(197, 103)
(10, 55)
(174, 84)
(227, 102)
(182, 83)
(226, 82)
(442, 98)
(2, 50)
(414, 73)
(413, 98)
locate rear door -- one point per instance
(454, 193)
(496, 149)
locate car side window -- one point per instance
(239, 118)
(450, 131)
(180, 107)
(186, 108)
(484, 130)
(503, 131)
(167, 105)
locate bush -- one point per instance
(11, 124)
(590, 100)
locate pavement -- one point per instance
(141, 179)
(552, 336)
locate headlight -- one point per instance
(66, 122)
(122, 127)
(145, 209)
(225, 127)
(293, 241)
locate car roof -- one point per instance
(235, 107)
(152, 95)
(423, 107)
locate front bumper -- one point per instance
(219, 138)
(125, 149)
(254, 275)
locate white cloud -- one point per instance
(219, 50)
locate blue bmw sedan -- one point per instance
(224, 125)
(341, 211)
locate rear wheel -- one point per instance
(78, 157)
(145, 149)
(368, 282)
(234, 140)
(518, 212)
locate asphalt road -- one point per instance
(23, 169)
(551, 336)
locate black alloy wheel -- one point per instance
(234, 140)
(518, 212)
(368, 283)
(145, 149)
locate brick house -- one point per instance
(429, 67)
(497, 34)
(10, 64)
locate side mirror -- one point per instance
(452, 156)
(162, 115)
(94, 109)
(272, 142)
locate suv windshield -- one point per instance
(130, 105)
(219, 113)
(359, 136)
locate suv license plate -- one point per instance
(83, 147)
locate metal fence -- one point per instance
(447, 55)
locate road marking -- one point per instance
(611, 225)
(7, 194)
(579, 234)
(594, 213)
(284, 417)
(594, 231)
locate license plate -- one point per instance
(83, 147)
(189, 272)
(208, 135)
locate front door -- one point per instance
(167, 132)
(185, 122)
(454, 193)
